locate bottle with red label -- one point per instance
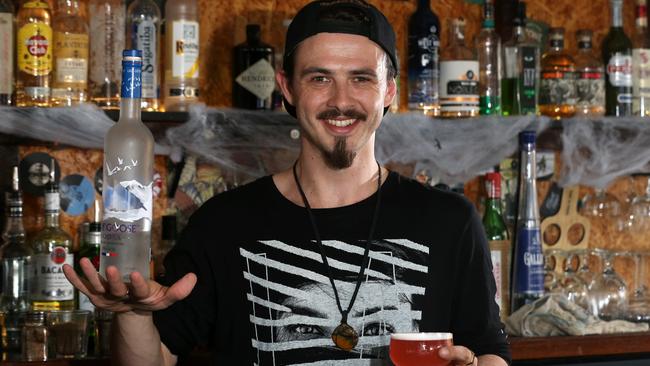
(617, 57)
(52, 249)
(33, 54)
(590, 81)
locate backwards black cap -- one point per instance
(310, 21)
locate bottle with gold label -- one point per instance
(52, 249)
(70, 81)
(33, 54)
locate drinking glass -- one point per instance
(418, 349)
(601, 204)
(551, 283)
(570, 284)
(69, 331)
(639, 305)
(607, 292)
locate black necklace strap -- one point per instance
(364, 261)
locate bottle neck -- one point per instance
(528, 212)
(14, 227)
(52, 209)
(617, 15)
(51, 219)
(584, 45)
(557, 45)
(488, 15)
(424, 5)
(641, 21)
(130, 110)
(493, 204)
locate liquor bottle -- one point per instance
(253, 74)
(458, 76)
(521, 61)
(107, 25)
(90, 242)
(557, 93)
(16, 261)
(617, 57)
(7, 37)
(70, 82)
(498, 240)
(33, 54)
(182, 55)
(52, 249)
(166, 244)
(127, 181)
(143, 33)
(423, 64)
(528, 274)
(590, 83)
(641, 63)
(488, 49)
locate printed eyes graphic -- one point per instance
(305, 330)
(377, 329)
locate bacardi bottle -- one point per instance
(70, 83)
(182, 54)
(557, 93)
(590, 82)
(528, 274)
(143, 33)
(458, 76)
(641, 62)
(34, 43)
(52, 246)
(423, 67)
(253, 74)
(488, 49)
(128, 179)
(107, 25)
(617, 57)
(7, 36)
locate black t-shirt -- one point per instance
(263, 295)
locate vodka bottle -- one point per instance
(488, 49)
(128, 179)
(253, 75)
(181, 87)
(641, 62)
(617, 57)
(33, 54)
(52, 246)
(528, 274)
(15, 257)
(143, 33)
(423, 68)
(7, 36)
(107, 25)
(70, 82)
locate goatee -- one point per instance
(339, 158)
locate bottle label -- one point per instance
(423, 69)
(186, 92)
(619, 70)
(71, 55)
(557, 88)
(185, 55)
(590, 87)
(6, 53)
(641, 80)
(258, 79)
(146, 40)
(529, 265)
(52, 202)
(459, 86)
(528, 80)
(106, 25)
(34, 49)
(50, 283)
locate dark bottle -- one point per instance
(617, 57)
(253, 74)
(6, 52)
(423, 60)
(528, 274)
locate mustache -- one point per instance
(336, 113)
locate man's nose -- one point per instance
(340, 97)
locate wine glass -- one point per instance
(639, 303)
(640, 210)
(571, 285)
(601, 204)
(585, 272)
(607, 292)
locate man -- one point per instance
(320, 263)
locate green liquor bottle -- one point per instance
(493, 222)
(617, 56)
(488, 49)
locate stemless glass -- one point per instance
(419, 349)
(639, 305)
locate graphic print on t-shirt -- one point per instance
(293, 309)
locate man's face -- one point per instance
(339, 89)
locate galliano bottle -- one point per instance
(617, 57)
(181, 87)
(143, 33)
(423, 64)
(128, 178)
(528, 274)
(7, 36)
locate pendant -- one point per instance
(345, 337)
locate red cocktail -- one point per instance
(419, 349)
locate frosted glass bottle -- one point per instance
(128, 177)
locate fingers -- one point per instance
(74, 279)
(97, 283)
(461, 356)
(181, 289)
(139, 286)
(116, 287)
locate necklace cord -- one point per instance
(364, 261)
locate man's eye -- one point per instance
(377, 329)
(361, 79)
(306, 329)
(320, 79)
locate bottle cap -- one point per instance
(493, 185)
(253, 32)
(132, 53)
(526, 137)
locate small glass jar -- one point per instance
(35, 337)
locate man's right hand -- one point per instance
(112, 294)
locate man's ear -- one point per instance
(391, 91)
(285, 85)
